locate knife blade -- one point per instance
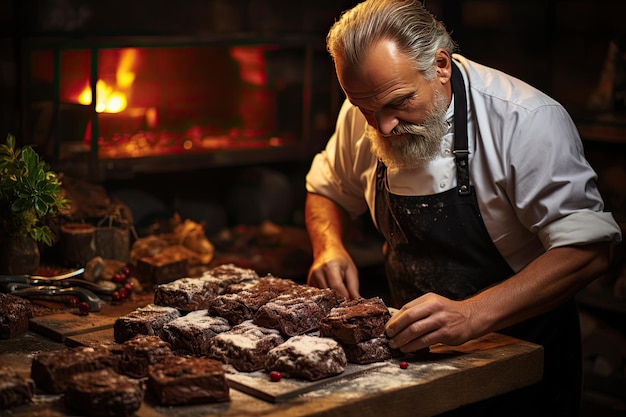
(40, 279)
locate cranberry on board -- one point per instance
(83, 308)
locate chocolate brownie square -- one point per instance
(104, 393)
(245, 346)
(185, 294)
(52, 370)
(356, 320)
(140, 352)
(227, 276)
(243, 305)
(15, 312)
(148, 320)
(372, 350)
(188, 380)
(191, 333)
(326, 298)
(290, 314)
(308, 357)
(14, 389)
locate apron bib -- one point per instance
(439, 243)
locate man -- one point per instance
(477, 181)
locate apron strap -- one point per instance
(461, 149)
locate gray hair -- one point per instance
(406, 22)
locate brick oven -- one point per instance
(112, 89)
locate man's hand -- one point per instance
(335, 269)
(545, 283)
(332, 266)
(428, 320)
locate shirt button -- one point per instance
(442, 185)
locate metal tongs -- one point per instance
(37, 286)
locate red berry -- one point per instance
(126, 270)
(115, 295)
(83, 308)
(117, 277)
(72, 300)
(128, 286)
(275, 376)
(123, 293)
(404, 365)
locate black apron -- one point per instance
(439, 243)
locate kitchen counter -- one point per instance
(440, 380)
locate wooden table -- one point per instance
(441, 380)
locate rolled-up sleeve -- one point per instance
(554, 186)
(581, 227)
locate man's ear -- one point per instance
(443, 65)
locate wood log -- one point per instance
(79, 243)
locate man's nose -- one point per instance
(385, 122)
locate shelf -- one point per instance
(123, 168)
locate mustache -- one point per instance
(403, 128)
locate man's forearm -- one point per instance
(548, 281)
(326, 222)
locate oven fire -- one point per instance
(152, 101)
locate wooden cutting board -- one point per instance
(258, 384)
(60, 326)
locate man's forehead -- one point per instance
(384, 71)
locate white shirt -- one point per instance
(535, 189)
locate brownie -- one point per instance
(225, 278)
(326, 298)
(290, 314)
(148, 320)
(52, 370)
(14, 389)
(191, 333)
(243, 305)
(140, 352)
(356, 320)
(185, 294)
(372, 350)
(104, 393)
(275, 286)
(245, 346)
(307, 357)
(15, 313)
(188, 380)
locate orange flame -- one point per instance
(113, 99)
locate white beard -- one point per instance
(412, 145)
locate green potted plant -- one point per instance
(30, 197)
